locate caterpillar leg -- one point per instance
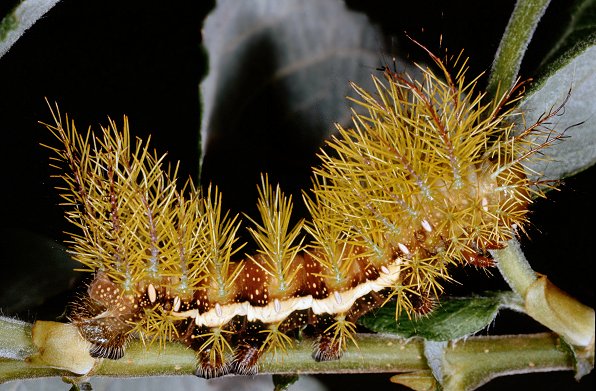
(213, 348)
(249, 349)
(328, 346)
(210, 367)
(337, 330)
(108, 336)
(100, 315)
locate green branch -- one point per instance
(465, 364)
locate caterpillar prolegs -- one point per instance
(430, 176)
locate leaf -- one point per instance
(455, 318)
(581, 27)
(283, 382)
(17, 21)
(307, 50)
(279, 72)
(573, 76)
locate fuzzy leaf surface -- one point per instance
(279, 73)
(303, 53)
(572, 76)
(14, 24)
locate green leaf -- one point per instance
(455, 318)
(16, 22)
(283, 382)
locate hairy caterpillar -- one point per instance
(430, 176)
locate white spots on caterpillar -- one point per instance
(177, 303)
(384, 269)
(278, 310)
(403, 248)
(152, 293)
(426, 225)
(484, 204)
(337, 296)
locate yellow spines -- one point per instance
(102, 184)
(135, 224)
(331, 247)
(278, 245)
(429, 172)
(275, 340)
(180, 233)
(155, 326)
(218, 246)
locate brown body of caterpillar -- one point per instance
(253, 315)
(106, 317)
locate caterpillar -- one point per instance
(431, 176)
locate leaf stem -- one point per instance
(514, 267)
(519, 31)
